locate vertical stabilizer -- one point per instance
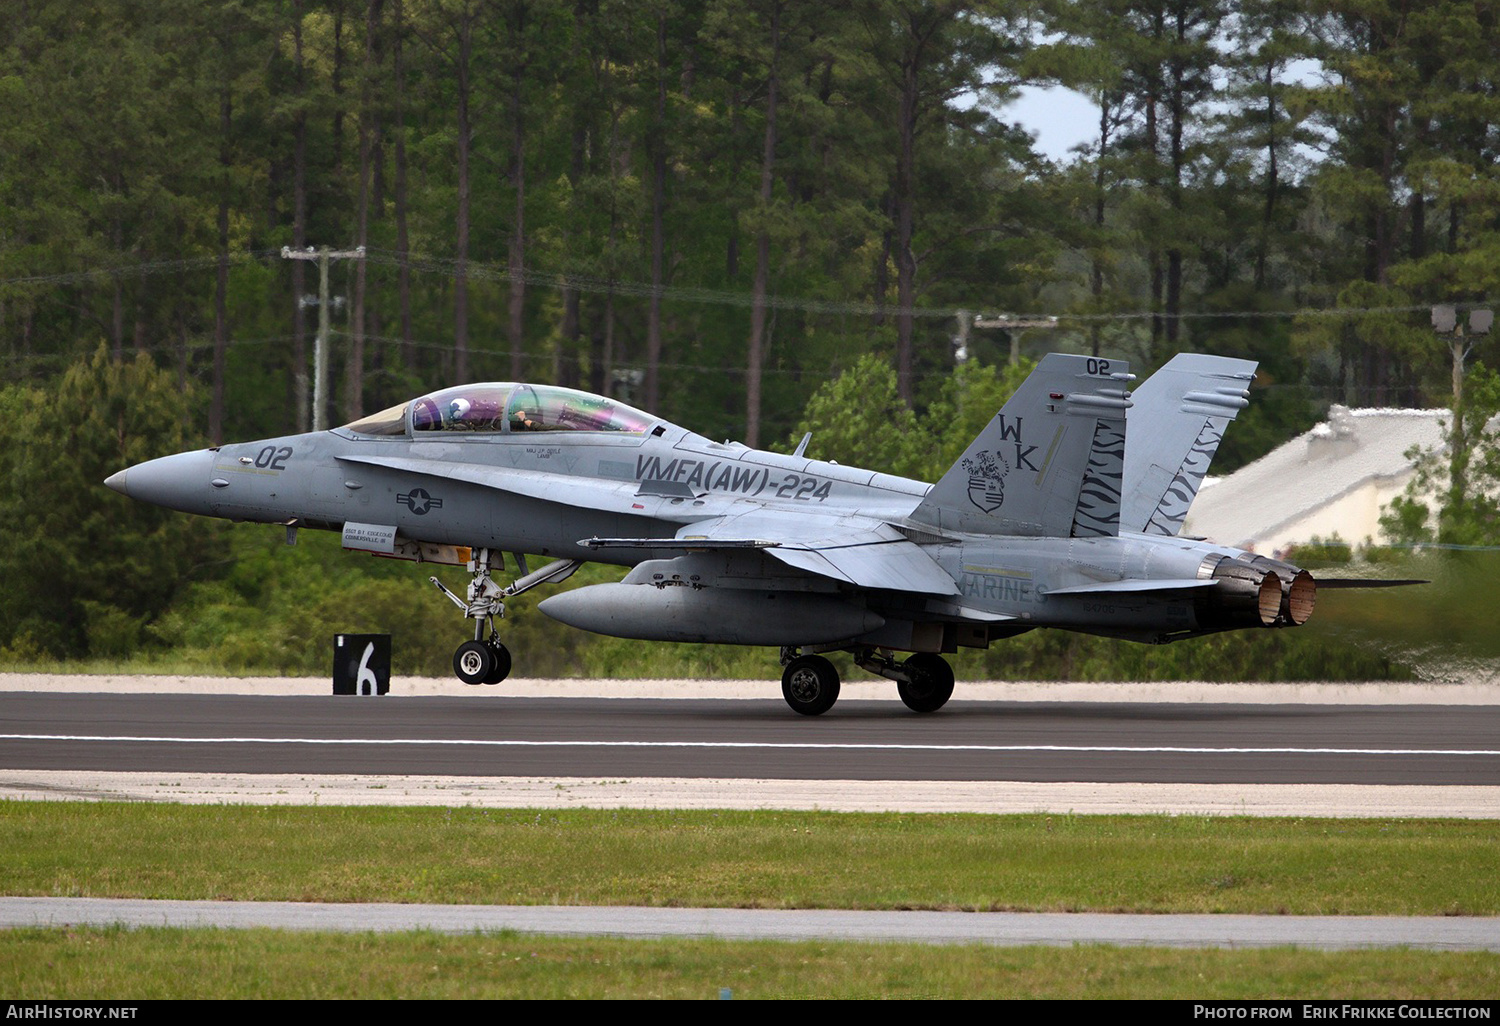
(1051, 461)
(1176, 422)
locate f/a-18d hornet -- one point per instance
(1064, 512)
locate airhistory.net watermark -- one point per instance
(71, 1010)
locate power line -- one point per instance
(1332, 392)
(132, 270)
(482, 271)
(594, 284)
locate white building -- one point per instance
(1331, 480)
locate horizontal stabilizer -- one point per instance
(1365, 582)
(1117, 587)
(896, 565)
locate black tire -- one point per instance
(474, 662)
(931, 683)
(810, 685)
(501, 669)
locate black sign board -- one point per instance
(361, 664)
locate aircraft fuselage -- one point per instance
(731, 544)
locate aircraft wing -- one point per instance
(870, 560)
(858, 550)
(854, 549)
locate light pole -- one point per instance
(1445, 322)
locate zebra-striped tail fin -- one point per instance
(1176, 422)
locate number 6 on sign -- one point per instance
(366, 683)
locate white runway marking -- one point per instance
(861, 746)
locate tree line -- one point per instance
(710, 207)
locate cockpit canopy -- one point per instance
(504, 406)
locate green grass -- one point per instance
(752, 859)
(163, 963)
(745, 859)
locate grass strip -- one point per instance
(768, 859)
(161, 963)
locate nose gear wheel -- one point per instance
(482, 662)
(486, 660)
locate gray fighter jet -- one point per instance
(1064, 513)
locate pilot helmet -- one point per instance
(458, 408)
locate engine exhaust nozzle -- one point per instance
(1247, 596)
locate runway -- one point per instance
(1159, 743)
(1297, 750)
(1383, 750)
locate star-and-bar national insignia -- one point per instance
(418, 501)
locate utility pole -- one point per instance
(1016, 326)
(320, 347)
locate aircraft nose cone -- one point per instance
(178, 482)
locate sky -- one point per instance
(1060, 118)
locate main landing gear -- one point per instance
(485, 660)
(810, 683)
(928, 684)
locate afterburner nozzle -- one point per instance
(1298, 589)
(1301, 596)
(1247, 596)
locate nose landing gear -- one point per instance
(485, 660)
(482, 662)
